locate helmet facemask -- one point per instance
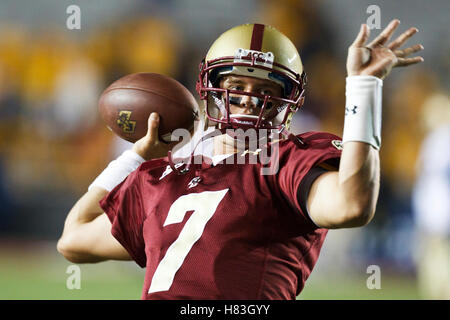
(272, 111)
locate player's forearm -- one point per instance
(76, 236)
(88, 207)
(359, 171)
(85, 210)
(87, 231)
(359, 175)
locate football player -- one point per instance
(221, 229)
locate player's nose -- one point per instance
(248, 105)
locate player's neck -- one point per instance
(223, 144)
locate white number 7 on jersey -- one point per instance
(204, 205)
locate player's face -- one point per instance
(244, 104)
(248, 105)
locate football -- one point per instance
(128, 102)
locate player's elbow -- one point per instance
(66, 246)
(358, 213)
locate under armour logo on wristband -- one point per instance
(353, 110)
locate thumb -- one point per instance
(153, 125)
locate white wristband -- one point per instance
(117, 170)
(363, 110)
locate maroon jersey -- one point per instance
(223, 231)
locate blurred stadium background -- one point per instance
(52, 143)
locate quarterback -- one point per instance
(220, 229)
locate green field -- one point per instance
(39, 272)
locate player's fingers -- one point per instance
(401, 39)
(153, 125)
(384, 36)
(362, 36)
(403, 62)
(406, 52)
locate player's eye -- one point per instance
(235, 100)
(266, 92)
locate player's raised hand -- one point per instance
(149, 146)
(378, 58)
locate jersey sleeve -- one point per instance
(296, 169)
(124, 208)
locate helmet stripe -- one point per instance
(257, 37)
